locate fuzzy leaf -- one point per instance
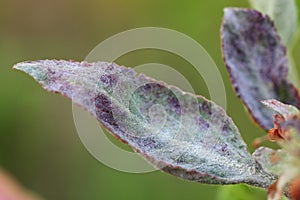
(272, 161)
(257, 62)
(185, 135)
(284, 13)
(282, 109)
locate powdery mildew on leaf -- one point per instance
(281, 108)
(272, 161)
(284, 13)
(257, 62)
(284, 162)
(185, 135)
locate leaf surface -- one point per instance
(271, 160)
(284, 13)
(281, 108)
(257, 62)
(182, 134)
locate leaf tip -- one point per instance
(34, 69)
(19, 66)
(24, 66)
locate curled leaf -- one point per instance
(257, 62)
(185, 135)
(281, 108)
(286, 122)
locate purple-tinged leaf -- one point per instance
(185, 135)
(257, 62)
(284, 13)
(281, 108)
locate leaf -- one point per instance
(185, 135)
(257, 62)
(272, 161)
(284, 13)
(282, 109)
(282, 163)
(289, 123)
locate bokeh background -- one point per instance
(38, 141)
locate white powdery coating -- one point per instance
(197, 141)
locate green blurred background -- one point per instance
(38, 141)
